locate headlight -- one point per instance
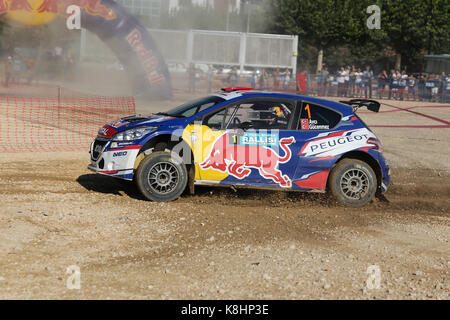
(133, 134)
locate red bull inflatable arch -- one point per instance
(119, 30)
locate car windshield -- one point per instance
(192, 108)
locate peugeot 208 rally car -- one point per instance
(240, 137)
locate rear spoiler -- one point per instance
(371, 105)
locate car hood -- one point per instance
(127, 123)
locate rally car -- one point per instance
(244, 138)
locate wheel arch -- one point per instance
(167, 139)
(365, 157)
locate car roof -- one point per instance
(343, 108)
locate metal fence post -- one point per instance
(242, 51)
(59, 107)
(294, 57)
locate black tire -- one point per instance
(161, 177)
(353, 182)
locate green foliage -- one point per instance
(408, 27)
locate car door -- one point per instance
(249, 142)
(201, 135)
(317, 132)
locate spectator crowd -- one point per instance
(22, 68)
(354, 82)
(351, 82)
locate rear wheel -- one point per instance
(161, 177)
(353, 182)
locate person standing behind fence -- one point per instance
(286, 79)
(421, 86)
(395, 85)
(346, 80)
(332, 80)
(324, 81)
(367, 81)
(263, 80)
(390, 83)
(358, 82)
(429, 85)
(402, 83)
(442, 86)
(411, 87)
(435, 89)
(276, 79)
(253, 79)
(382, 81)
(447, 89)
(301, 82)
(352, 81)
(341, 82)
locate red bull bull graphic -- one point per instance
(237, 154)
(121, 32)
(92, 7)
(33, 12)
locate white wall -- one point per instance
(173, 4)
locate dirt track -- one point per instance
(221, 244)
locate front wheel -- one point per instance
(353, 182)
(161, 177)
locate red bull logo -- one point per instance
(149, 61)
(36, 7)
(228, 155)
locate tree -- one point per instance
(408, 27)
(319, 23)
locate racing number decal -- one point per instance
(307, 108)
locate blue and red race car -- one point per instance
(245, 138)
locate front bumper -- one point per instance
(113, 159)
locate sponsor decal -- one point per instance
(107, 132)
(117, 145)
(304, 124)
(120, 154)
(238, 159)
(149, 61)
(255, 139)
(336, 143)
(117, 124)
(310, 124)
(331, 143)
